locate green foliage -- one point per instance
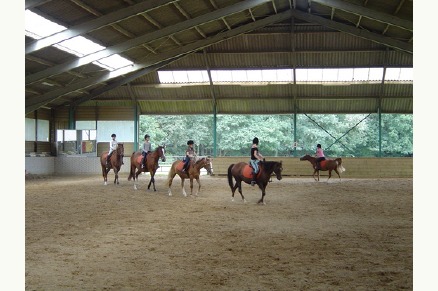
(340, 135)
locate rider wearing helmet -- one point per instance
(190, 153)
(256, 157)
(319, 154)
(113, 147)
(145, 150)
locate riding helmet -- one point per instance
(113, 135)
(190, 142)
(318, 145)
(146, 136)
(255, 140)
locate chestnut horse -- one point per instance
(116, 161)
(194, 171)
(151, 165)
(326, 165)
(243, 172)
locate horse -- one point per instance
(326, 165)
(243, 172)
(151, 165)
(116, 161)
(194, 170)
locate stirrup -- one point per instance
(253, 183)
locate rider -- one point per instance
(113, 147)
(256, 157)
(145, 150)
(190, 153)
(319, 157)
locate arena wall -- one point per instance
(292, 166)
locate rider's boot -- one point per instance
(253, 182)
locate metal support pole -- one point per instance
(136, 132)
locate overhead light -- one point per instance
(48, 84)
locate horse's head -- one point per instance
(305, 158)
(278, 168)
(207, 166)
(161, 153)
(120, 149)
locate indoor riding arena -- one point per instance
(352, 231)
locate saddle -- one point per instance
(322, 163)
(247, 171)
(180, 165)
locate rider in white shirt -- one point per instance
(113, 147)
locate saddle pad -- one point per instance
(247, 172)
(139, 159)
(322, 163)
(180, 165)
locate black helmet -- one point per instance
(318, 145)
(113, 135)
(146, 136)
(255, 140)
(190, 142)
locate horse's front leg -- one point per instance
(152, 181)
(191, 187)
(182, 187)
(199, 186)
(314, 173)
(116, 176)
(262, 187)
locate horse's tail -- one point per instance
(230, 176)
(171, 172)
(340, 167)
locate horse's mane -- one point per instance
(269, 166)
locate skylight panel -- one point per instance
(360, 74)
(330, 75)
(180, 76)
(254, 75)
(81, 46)
(269, 75)
(285, 75)
(221, 76)
(197, 76)
(114, 62)
(239, 76)
(314, 75)
(375, 74)
(406, 74)
(39, 27)
(399, 74)
(345, 75)
(166, 77)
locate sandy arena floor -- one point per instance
(353, 235)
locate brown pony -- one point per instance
(116, 161)
(326, 165)
(194, 171)
(151, 165)
(243, 172)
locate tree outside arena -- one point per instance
(350, 135)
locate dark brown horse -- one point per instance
(242, 172)
(326, 165)
(151, 165)
(194, 171)
(116, 161)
